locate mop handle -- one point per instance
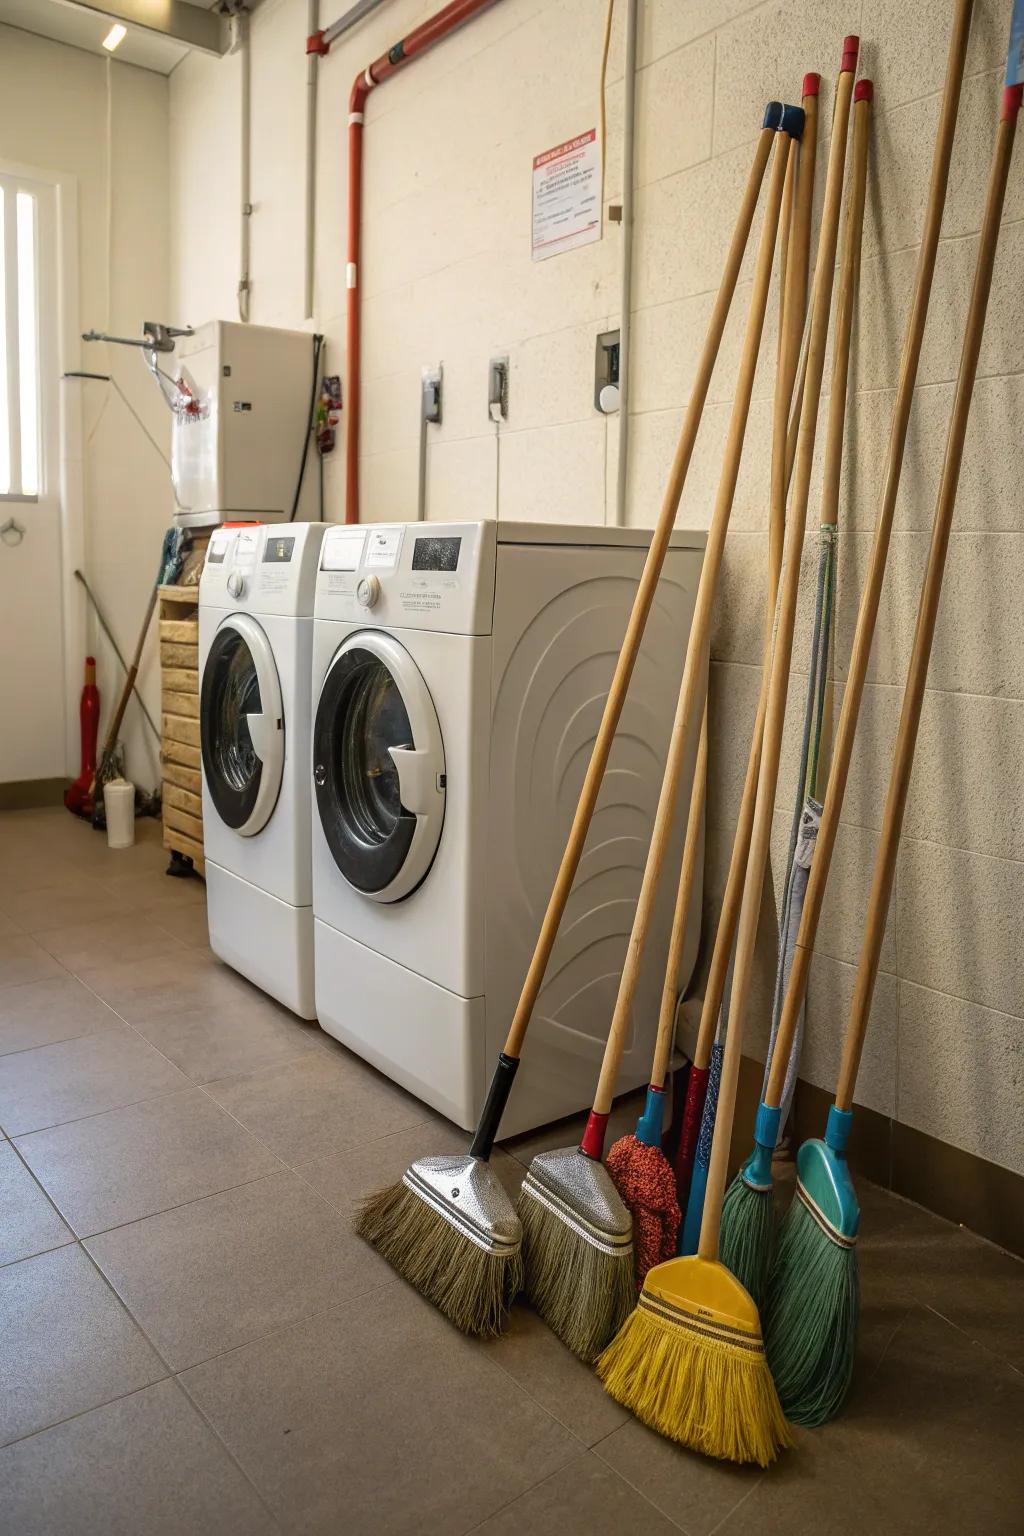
(775, 715)
(644, 595)
(692, 848)
(848, 285)
(693, 687)
(792, 328)
(796, 989)
(913, 697)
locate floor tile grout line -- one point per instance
(596, 1450)
(226, 1448)
(976, 1343)
(80, 1413)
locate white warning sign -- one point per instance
(566, 196)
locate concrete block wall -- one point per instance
(447, 276)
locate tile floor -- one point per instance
(192, 1340)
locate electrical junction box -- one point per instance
(241, 417)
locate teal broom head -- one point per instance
(747, 1237)
(813, 1300)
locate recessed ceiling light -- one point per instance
(114, 37)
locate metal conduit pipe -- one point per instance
(626, 268)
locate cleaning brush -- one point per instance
(748, 1223)
(577, 1232)
(449, 1227)
(813, 1295)
(690, 1360)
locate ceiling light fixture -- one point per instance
(115, 37)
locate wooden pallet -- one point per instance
(179, 721)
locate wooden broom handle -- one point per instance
(641, 605)
(775, 716)
(692, 849)
(906, 738)
(794, 301)
(834, 433)
(693, 687)
(824, 846)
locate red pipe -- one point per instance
(401, 53)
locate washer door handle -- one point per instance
(261, 733)
(417, 779)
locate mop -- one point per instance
(690, 1360)
(448, 1227)
(577, 1233)
(813, 1297)
(748, 1214)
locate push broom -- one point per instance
(637, 1164)
(748, 1231)
(813, 1295)
(748, 1213)
(577, 1234)
(690, 1360)
(449, 1227)
(794, 283)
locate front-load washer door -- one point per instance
(378, 767)
(241, 720)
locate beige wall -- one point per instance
(53, 115)
(447, 275)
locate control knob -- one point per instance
(236, 583)
(367, 591)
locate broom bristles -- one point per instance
(811, 1316)
(473, 1288)
(693, 1386)
(747, 1236)
(583, 1293)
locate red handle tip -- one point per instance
(864, 90)
(851, 48)
(812, 85)
(1012, 99)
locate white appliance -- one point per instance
(241, 420)
(459, 675)
(255, 654)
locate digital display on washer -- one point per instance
(278, 551)
(436, 554)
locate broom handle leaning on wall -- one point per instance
(775, 717)
(906, 738)
(641, 604)
(693, 687)
(796, 989)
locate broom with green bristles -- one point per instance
(813, 1295)
(577, 1233)
(690, 1360)
(449, 1227)
(748, 1213)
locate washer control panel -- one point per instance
(437, 576)
(262, 568)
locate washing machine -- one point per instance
(459, 675)
(255, 654)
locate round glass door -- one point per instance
(378, 767)
(242, 725)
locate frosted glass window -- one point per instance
(20, 424)
(5, 426)
(28, 344)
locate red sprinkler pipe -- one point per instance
(401, 53)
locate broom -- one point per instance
(639, 1169)
(690, 1360)
(712, 1023)
(794, 282)
(748, 1215)
(577, 1233)
(448, 1227)
(813, 1298)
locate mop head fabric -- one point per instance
(748, 1235)
(811, 1314)
(690, 1363)
(450, 1230)
(646, 1181)
(578, 1249)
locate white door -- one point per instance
(32, 683)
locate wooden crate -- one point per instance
(179, 722)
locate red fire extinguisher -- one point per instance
(76, 796)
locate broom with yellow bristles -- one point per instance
(577, 1233)
(748, 1214)
(690, 1360)
(449, 1227)
(813, 1296)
